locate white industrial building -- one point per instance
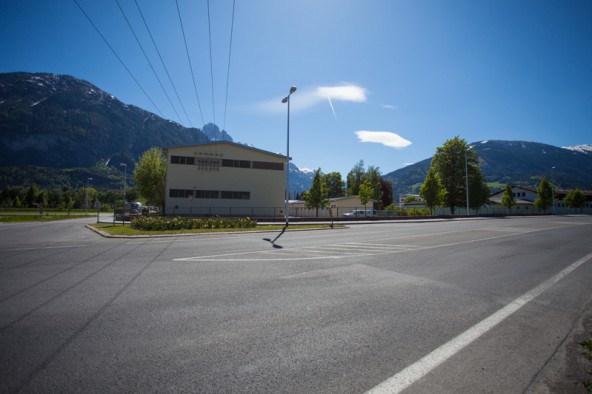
(224, 178)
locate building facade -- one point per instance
(226, 179)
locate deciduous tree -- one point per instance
(508, 199)
(150, 176)
(317, 197)
(575, 199)
(544, 198)
(431, 190)
(366, 192)
(335, 185)
(355, 178)
(450, 163)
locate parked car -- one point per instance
(360, 213)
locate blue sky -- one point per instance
(384, 81)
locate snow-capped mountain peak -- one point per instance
(586, 148)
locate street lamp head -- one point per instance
(285, 100)
(123, 164)
(292, 89)
(90, 179)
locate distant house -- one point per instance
(524, 196)
(224, 178)
(417, 201)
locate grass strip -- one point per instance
(119, 229)
(39, 218)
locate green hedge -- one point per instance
(159, 223)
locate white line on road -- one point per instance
(425, 365)
(44, 247)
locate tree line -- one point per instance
(60, 198)
(454, 180)
(149, 175)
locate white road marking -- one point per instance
(44, 247)
(425, 365)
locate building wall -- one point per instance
(224, 179)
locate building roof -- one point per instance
(214, 143)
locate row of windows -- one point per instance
(266, 165)
(190, 193)
(182, 160)
(236, 163)
(261, 165)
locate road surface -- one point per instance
(448, 306)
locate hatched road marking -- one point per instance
(318, 252)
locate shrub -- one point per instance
(160, 223)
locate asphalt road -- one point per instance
(476, 305)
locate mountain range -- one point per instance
(59, 131)
(515, 163)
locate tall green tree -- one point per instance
(366, 192)
(150, 176)
(544, 198)
(335, 184)
(451, 162)
(575, 199)
(431, 190)
(42, 199)
(31, 196)
(478, 190)
(508, 199)
(387, 193)
(355, 178)
(317, 197)
(373, 176)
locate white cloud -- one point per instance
(386, 138)
(389, 106)
(308, 97)
(346, 92)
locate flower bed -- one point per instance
(159, 223)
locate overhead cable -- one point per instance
(118, 58)
(148, 60)
(190, 65)
(162, 61)
(228, 69)
(211, 67)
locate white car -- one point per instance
(359, 213)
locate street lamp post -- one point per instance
(287, 194)
(86, 196)
(467, 179)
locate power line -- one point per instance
(162, 61)
(228, 69)
(148, 60)
(189, 59)
(211, 67)
(118, 58)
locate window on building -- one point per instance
(236, 195)
(236, 163)
(182, 160)
(266, 165)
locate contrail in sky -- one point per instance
(332, 109)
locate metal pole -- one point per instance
(287, 192)
(467, 180)
(288, 166)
